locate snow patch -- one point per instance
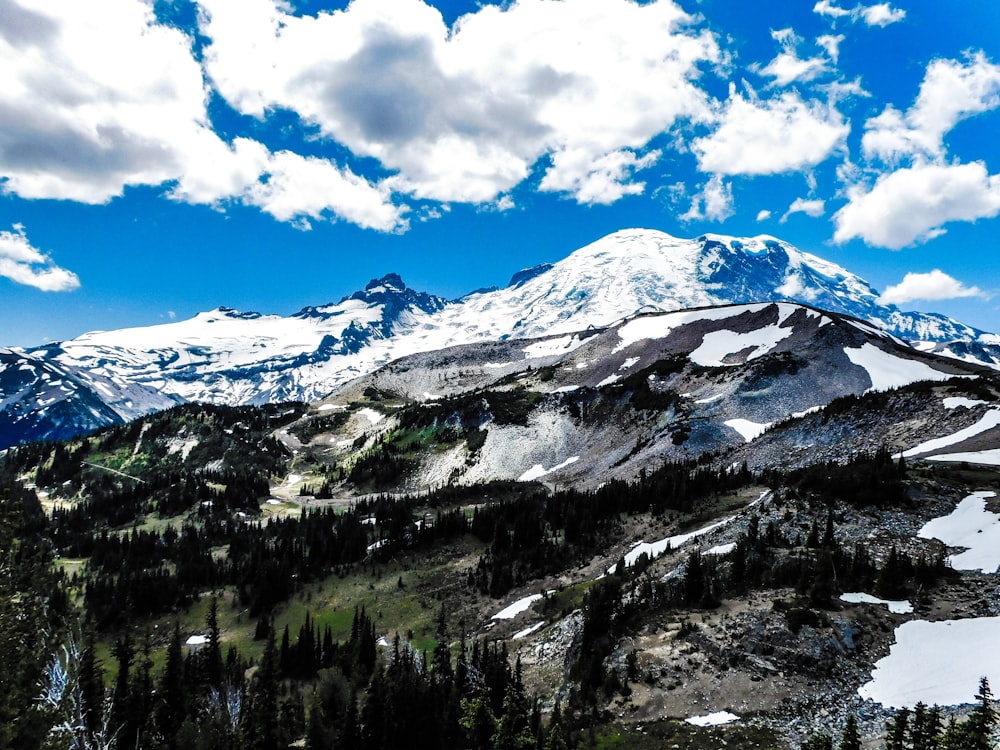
(989, 458)
(718, 345)
(330, 407)
(713, 720)
(889, 371)
(971, 526)
(628, 363)
(371, 415)
(528, 631)
(521, 605)
(710, 399)
(749, 430)
(721, 549)
(609, 380)
(655, 549)
(561, 345)
(960, 402)
(538, 471)
(939, 663)
(988, 421)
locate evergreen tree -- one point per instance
(213, 647)
(171, 708)
(851, 737)
(982, 720)
(263, 726)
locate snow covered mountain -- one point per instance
(226, 356)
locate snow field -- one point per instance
(971, 526)
(988, 421)
(655, 549)
(528, 631)
(718, 345)
(889, 371)
(939, 663)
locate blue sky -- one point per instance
(159, 159)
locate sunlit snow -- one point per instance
(538, 471)
(971, 526)
(889, 371)
(371, 415)
(988, 421)
(718, 345)
(955, 402)
(528, 631)
(655, 549)
(513, 610)
(989, 458)
(749, 430)
(897, 606)
(713, 720)
(936, 662)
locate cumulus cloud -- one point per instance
(935, 285)
(465, 113)
(763, 215)
(98, 96)
(831, 45)
(880, 14)
(951, 91)
(713, 203)
(24, 264)
(913, 204)
(787, 67)
(814, 208)
(783, 134)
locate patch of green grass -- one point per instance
(564, 600)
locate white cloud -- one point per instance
(935, 285)
(24, 264)
(787, 67)
(98, 96)
(783, 134)
(465, 113)
(950, 92)
(300, 188)
(763, 215)
(713, 203)
(831, 45)
(602, 180)
(827, 8)
(814, 208)
(880, 14)
(913, 204)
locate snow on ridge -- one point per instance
(655, 549)
(960, 402)
(988, 421)
(888, 371)
(528, 631)
(718, 345)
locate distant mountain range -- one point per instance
(232, 357)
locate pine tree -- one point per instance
(263, 726)
(978, 728)
(171, 709)
(851, 737)
(213, 647)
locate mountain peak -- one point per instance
(390, 282)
